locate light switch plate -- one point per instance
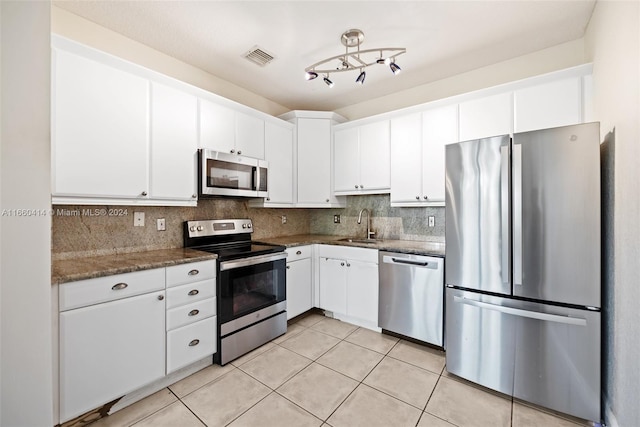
(284, 219)
(432, 221)
(336, 219)
(138, 219)
(161, 225)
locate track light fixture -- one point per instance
(355, 59)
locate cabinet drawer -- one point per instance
(181, 316)
(190, 272)
(298, 252)
(109, 288)
(344, 252)
(190, 343)
(191, 292)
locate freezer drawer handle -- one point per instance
(410, 262)
(119, 286)
(523, 313)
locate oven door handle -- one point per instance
(246, 262)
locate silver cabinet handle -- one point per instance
(119, 286)
(160, 297)
(417, 197)
(425, 197)
(268, 199)
(144, 193)
(327, 200)
(298, 252)
(194, 312)
(193, 272)
(193, 196)
(239, 152)
(361, 186)
(342, 264)
(193, 292)
(348, 265)
(194, 342)
(288, 267)
(356, 185)
(233, 151)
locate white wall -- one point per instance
(25, 244)
(544, 61)
(612, 42)
(86, 32)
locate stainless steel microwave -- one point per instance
(224, 174)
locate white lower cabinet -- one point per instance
(190, 343)
(299, 281)
(349, 283)
(110, 349)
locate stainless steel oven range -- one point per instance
(251, 284)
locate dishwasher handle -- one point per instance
(410, 262)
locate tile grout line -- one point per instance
(186, 406)
(153, 413)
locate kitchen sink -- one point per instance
(367, 241)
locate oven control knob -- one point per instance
(192, 228)
(244, 225)
(200, 228)
(249, 225)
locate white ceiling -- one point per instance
(442, 38)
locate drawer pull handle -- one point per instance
(193, 272)
(298, 252)
(160, 297)
(119, 286)
(288, 267)
(193, 292)
(194, 312)
(194, 342)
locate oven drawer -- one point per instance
(191, 272)
(298, 252)
(191, 292)
(109, 288)
(190, 343)
(181, 316)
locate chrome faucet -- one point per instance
(369, 232)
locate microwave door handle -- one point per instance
(256, 179)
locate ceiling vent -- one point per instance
(259, 56)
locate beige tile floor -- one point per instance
(324, 372)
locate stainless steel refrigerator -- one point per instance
(523, 266)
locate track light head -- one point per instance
(395, 68)
(361, 77)
(328, 82)
(310, 75)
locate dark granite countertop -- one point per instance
(71, 270)
(403, 246)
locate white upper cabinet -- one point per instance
(174, 140)
(278, 143)
(553, 104)
(439, 128)
(406, 159)
(486, 117)
(227, 130)
(361, 159)
(100, 130)
(217, 127)
(249, 136)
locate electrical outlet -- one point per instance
(161, 224)
(432, 221)
(336, 219)
(284, 219)
(138, 219)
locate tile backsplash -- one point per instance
(79, 231)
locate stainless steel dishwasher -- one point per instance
(411, 296)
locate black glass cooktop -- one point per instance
(240, 250)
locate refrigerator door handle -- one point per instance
(517, 214)
(523, 313)
(504, 204)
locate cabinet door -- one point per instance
(486, 117)
(333, 285)
(249, 136)
(174, 141)
(278, 144)
(375, 150)
(548, 105)
(100, 130)
(406, 159)
(217, 127)
(346, 162)
(108, 350)
(362, 291)
(298, 287)
(314, 161)
(439, 128)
